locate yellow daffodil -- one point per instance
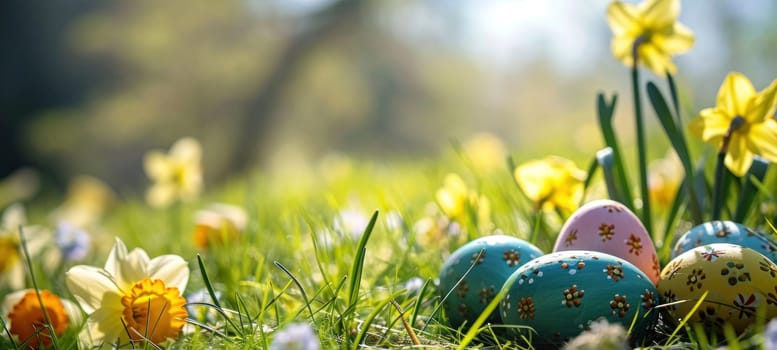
(652, 27)
(19, 186)
(551, 183)
(132, 299)
(27, 323)
(11, 255)
(486, 152)
(666, 175)
(457, 201)
(86, 201)
(218, 224)
(742, 123)
(176, 175)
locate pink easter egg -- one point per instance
(609, 227)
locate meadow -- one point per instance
(346, 252)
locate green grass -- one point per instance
(292, 264)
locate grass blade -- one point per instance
(456, 285)
(605, 112)
(302, 290)
(206, 280)
(688, 316)
(677, 139)
(43, 308)
(475, 327)
(358, 262)
(419, 302)
(606, 159)
(365, 326)
(675, 100)
(589, 177)
(749, 190)
(407, 326)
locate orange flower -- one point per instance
(28, 322)
(218, 224)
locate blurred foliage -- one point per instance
(276, 84)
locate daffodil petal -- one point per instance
(621, 49)
(734, 94)
(622, 18)
(13, 217)
(157, 166)
(37, 239)
(680, 39)
(763, 105)
(710, 125)
(92, 287)
(532, 179)
(186, 149)
(104, 327)
(171, 269)
(762, 139)
(15, 276)
(74, 315)
(126, 268)
(161, 195)
(654, 58)
(133, 268)
(10, 300)
(659, 13)
(739, 158)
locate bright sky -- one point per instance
(569, 33)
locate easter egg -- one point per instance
(490, 260)
(560, 294)
(726, 232)
(609, 227)
(738, 281)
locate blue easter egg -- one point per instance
(492, 260)
(726, 232)
(559, 295)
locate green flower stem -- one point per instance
(721, 180)
(641, 146)
(43, 308)
(717, 196)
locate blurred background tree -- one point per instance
(89, 87)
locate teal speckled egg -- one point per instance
(726, 232)
(502, 255)
(560, 294)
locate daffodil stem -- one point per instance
(720, 180)
(538, 223)
(43, 308)
(641, 148)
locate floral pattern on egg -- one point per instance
(560, 294)
(609, 227)
(738, 280)
(723, 231)
(492, 259)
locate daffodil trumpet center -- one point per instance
(737, 123)
(153, 312)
